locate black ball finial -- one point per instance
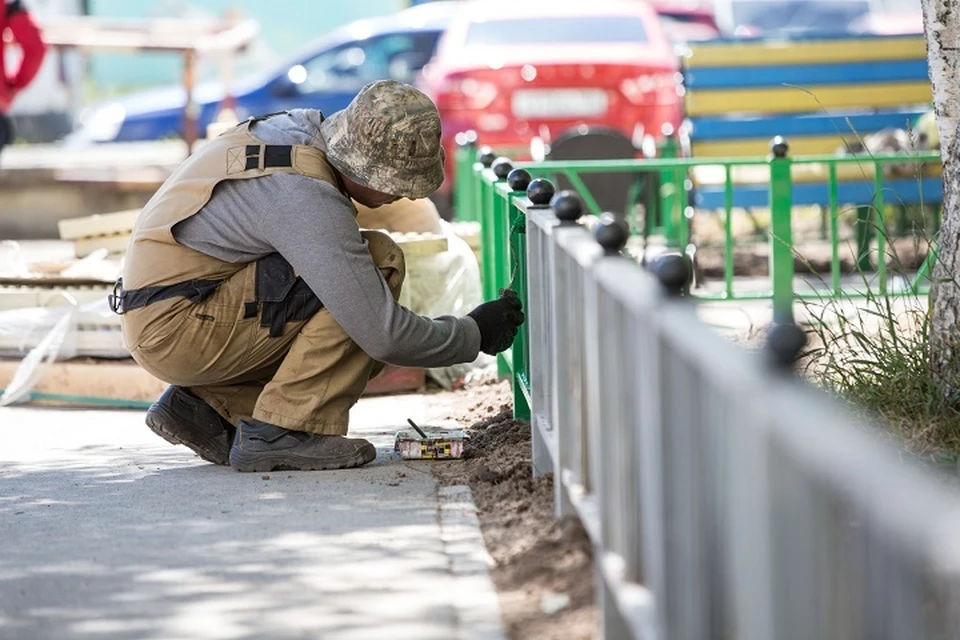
(486, 156)
(519, 179)
(567, 206)
(611, 233)
(785, 342)
(540, 191)
(673, 272)
(779, 147)
(502, 167)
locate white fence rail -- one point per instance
(725, 499)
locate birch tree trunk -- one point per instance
(941, 19)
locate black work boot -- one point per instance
(260, 446)
(179, 417)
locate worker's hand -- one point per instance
(498, 321)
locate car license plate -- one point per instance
(559, 103)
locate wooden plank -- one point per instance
(113, 244)
(90, 341)
(104, 224)
(25, 297)
(123, 381)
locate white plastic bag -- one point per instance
(445, 283)
(58, 341)
(44, 335)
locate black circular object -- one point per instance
(611, 233)
(567, 206)
(785, 342)
(502, 167)
(779, 146)
(540, 191)
(519, 179)
(673, 272)
(486, 156)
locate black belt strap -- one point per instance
(274, 155)
(193, 290)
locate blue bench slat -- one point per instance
(714, 128)
(907, 190)
(850, 73)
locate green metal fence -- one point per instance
(484, 196)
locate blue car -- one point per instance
(326, 75)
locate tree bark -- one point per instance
(941, 20)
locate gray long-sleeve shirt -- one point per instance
(312, 225)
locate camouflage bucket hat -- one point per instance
(388, 139)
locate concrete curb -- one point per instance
(477, 603)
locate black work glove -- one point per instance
(498, 321)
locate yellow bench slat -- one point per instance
(807, 99)
(766, 53)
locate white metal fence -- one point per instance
(725, 498)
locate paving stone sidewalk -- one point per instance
(109, 532)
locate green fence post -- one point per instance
(464, 182)
(864, 227)
(659, 200)
(521, 344)
(671, 191)
(781, 226)
(881, 229)
(483, 203)
(487, 238)
(539, 192)
(501, 269)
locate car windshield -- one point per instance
(348, 67)
(799, 15)
(572, 30)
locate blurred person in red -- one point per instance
(16, 26)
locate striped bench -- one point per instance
(819, 94)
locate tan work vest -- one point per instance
(154, 258)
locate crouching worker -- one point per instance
(249, 287)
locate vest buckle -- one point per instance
(115, 299)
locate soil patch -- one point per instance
(903, 255)
(543, 569)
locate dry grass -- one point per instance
(875, 355)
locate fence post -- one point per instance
(464, 200)
(611, 435)
(656, 201)
(568, 208)
(539, 192)
(499, 256)
(484, 207)
(781, 230)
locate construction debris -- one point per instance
(109, 231)
(53, 307)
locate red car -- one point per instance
(516, 71)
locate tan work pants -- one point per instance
(306, 379)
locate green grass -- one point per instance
(874, 354)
